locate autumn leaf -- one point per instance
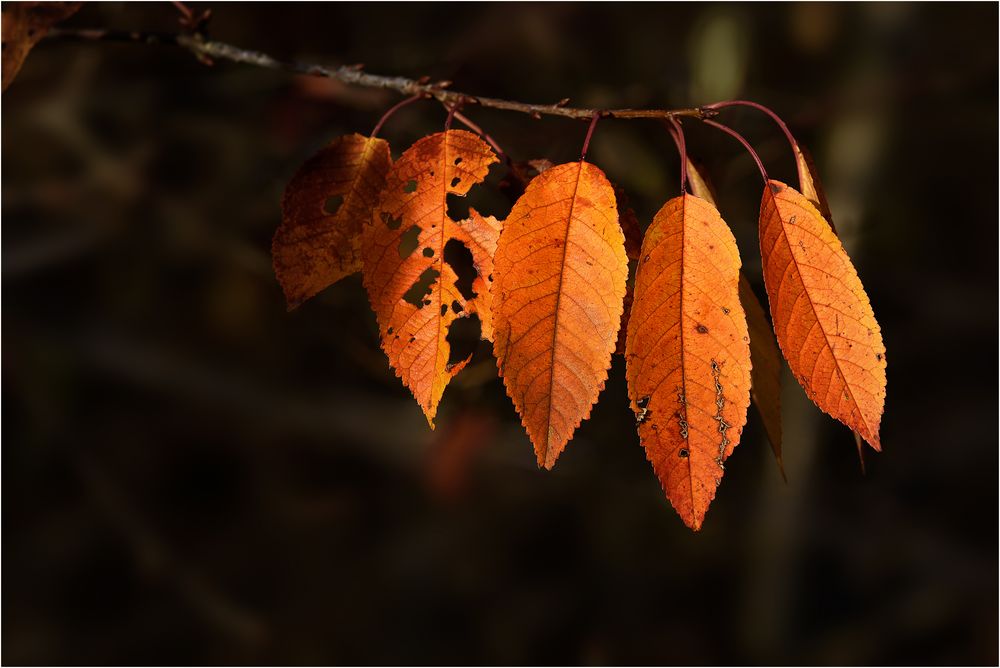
(822, 317)
(765, 373)
(24, 24)
(412, 289)
(324, 209)
(687, 355)
(560, 272)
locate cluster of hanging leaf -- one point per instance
(552, 292)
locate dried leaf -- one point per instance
(687, 355)
(323, 211)
(412, 289)
(809, 182)
(560, 280)
(822, 317)
(765, 374)
(629, 223)
(24, 24)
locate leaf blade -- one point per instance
(687, 352)
(410, 286)
(314, 248)
(560, 273)
(822, 316)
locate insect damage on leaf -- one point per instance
(560, 281)
(687, 354)
(323, 211)
(416, 295)
(822, 317)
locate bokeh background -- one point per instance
(193, 475)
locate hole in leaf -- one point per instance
(422, 287)
(444, 310)
(411, 186)
(458, 207)
(458, 160)
(463, 338)
(683, 453)
(428, 252)
(460, 258)
(456, 307)
(390, 222)
(332, 204)
(455, 181)
(409, 241)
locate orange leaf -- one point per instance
(24, 24)
(325, 206)
(412, 289)
(560, 280)
(687, 355)
(822, 317)
(765, 373)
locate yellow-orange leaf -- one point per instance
(24, 23)
(325, 206)
(687, 355)
(765, 374)
(560, 273)
(821, 313)
(412, 289)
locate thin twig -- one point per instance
(733, 133)
(203, 48)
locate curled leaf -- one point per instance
(323, 211)
(560, 273)
(687, 354)
(822, 316)
(412, 288)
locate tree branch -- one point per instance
(207, 50)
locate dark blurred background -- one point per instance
(191, 474)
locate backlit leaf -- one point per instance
(324, 209)
(687, 354)
(413, 290)
(560, 272)
(822, 316)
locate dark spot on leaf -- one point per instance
(701, 329)
(683, 453)
(791, 220)
(389, 331)
(415, 295)
(878, 356)
(725, 310)
(410, 186)
(332, 204)
(775, 188)
(409, 241)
